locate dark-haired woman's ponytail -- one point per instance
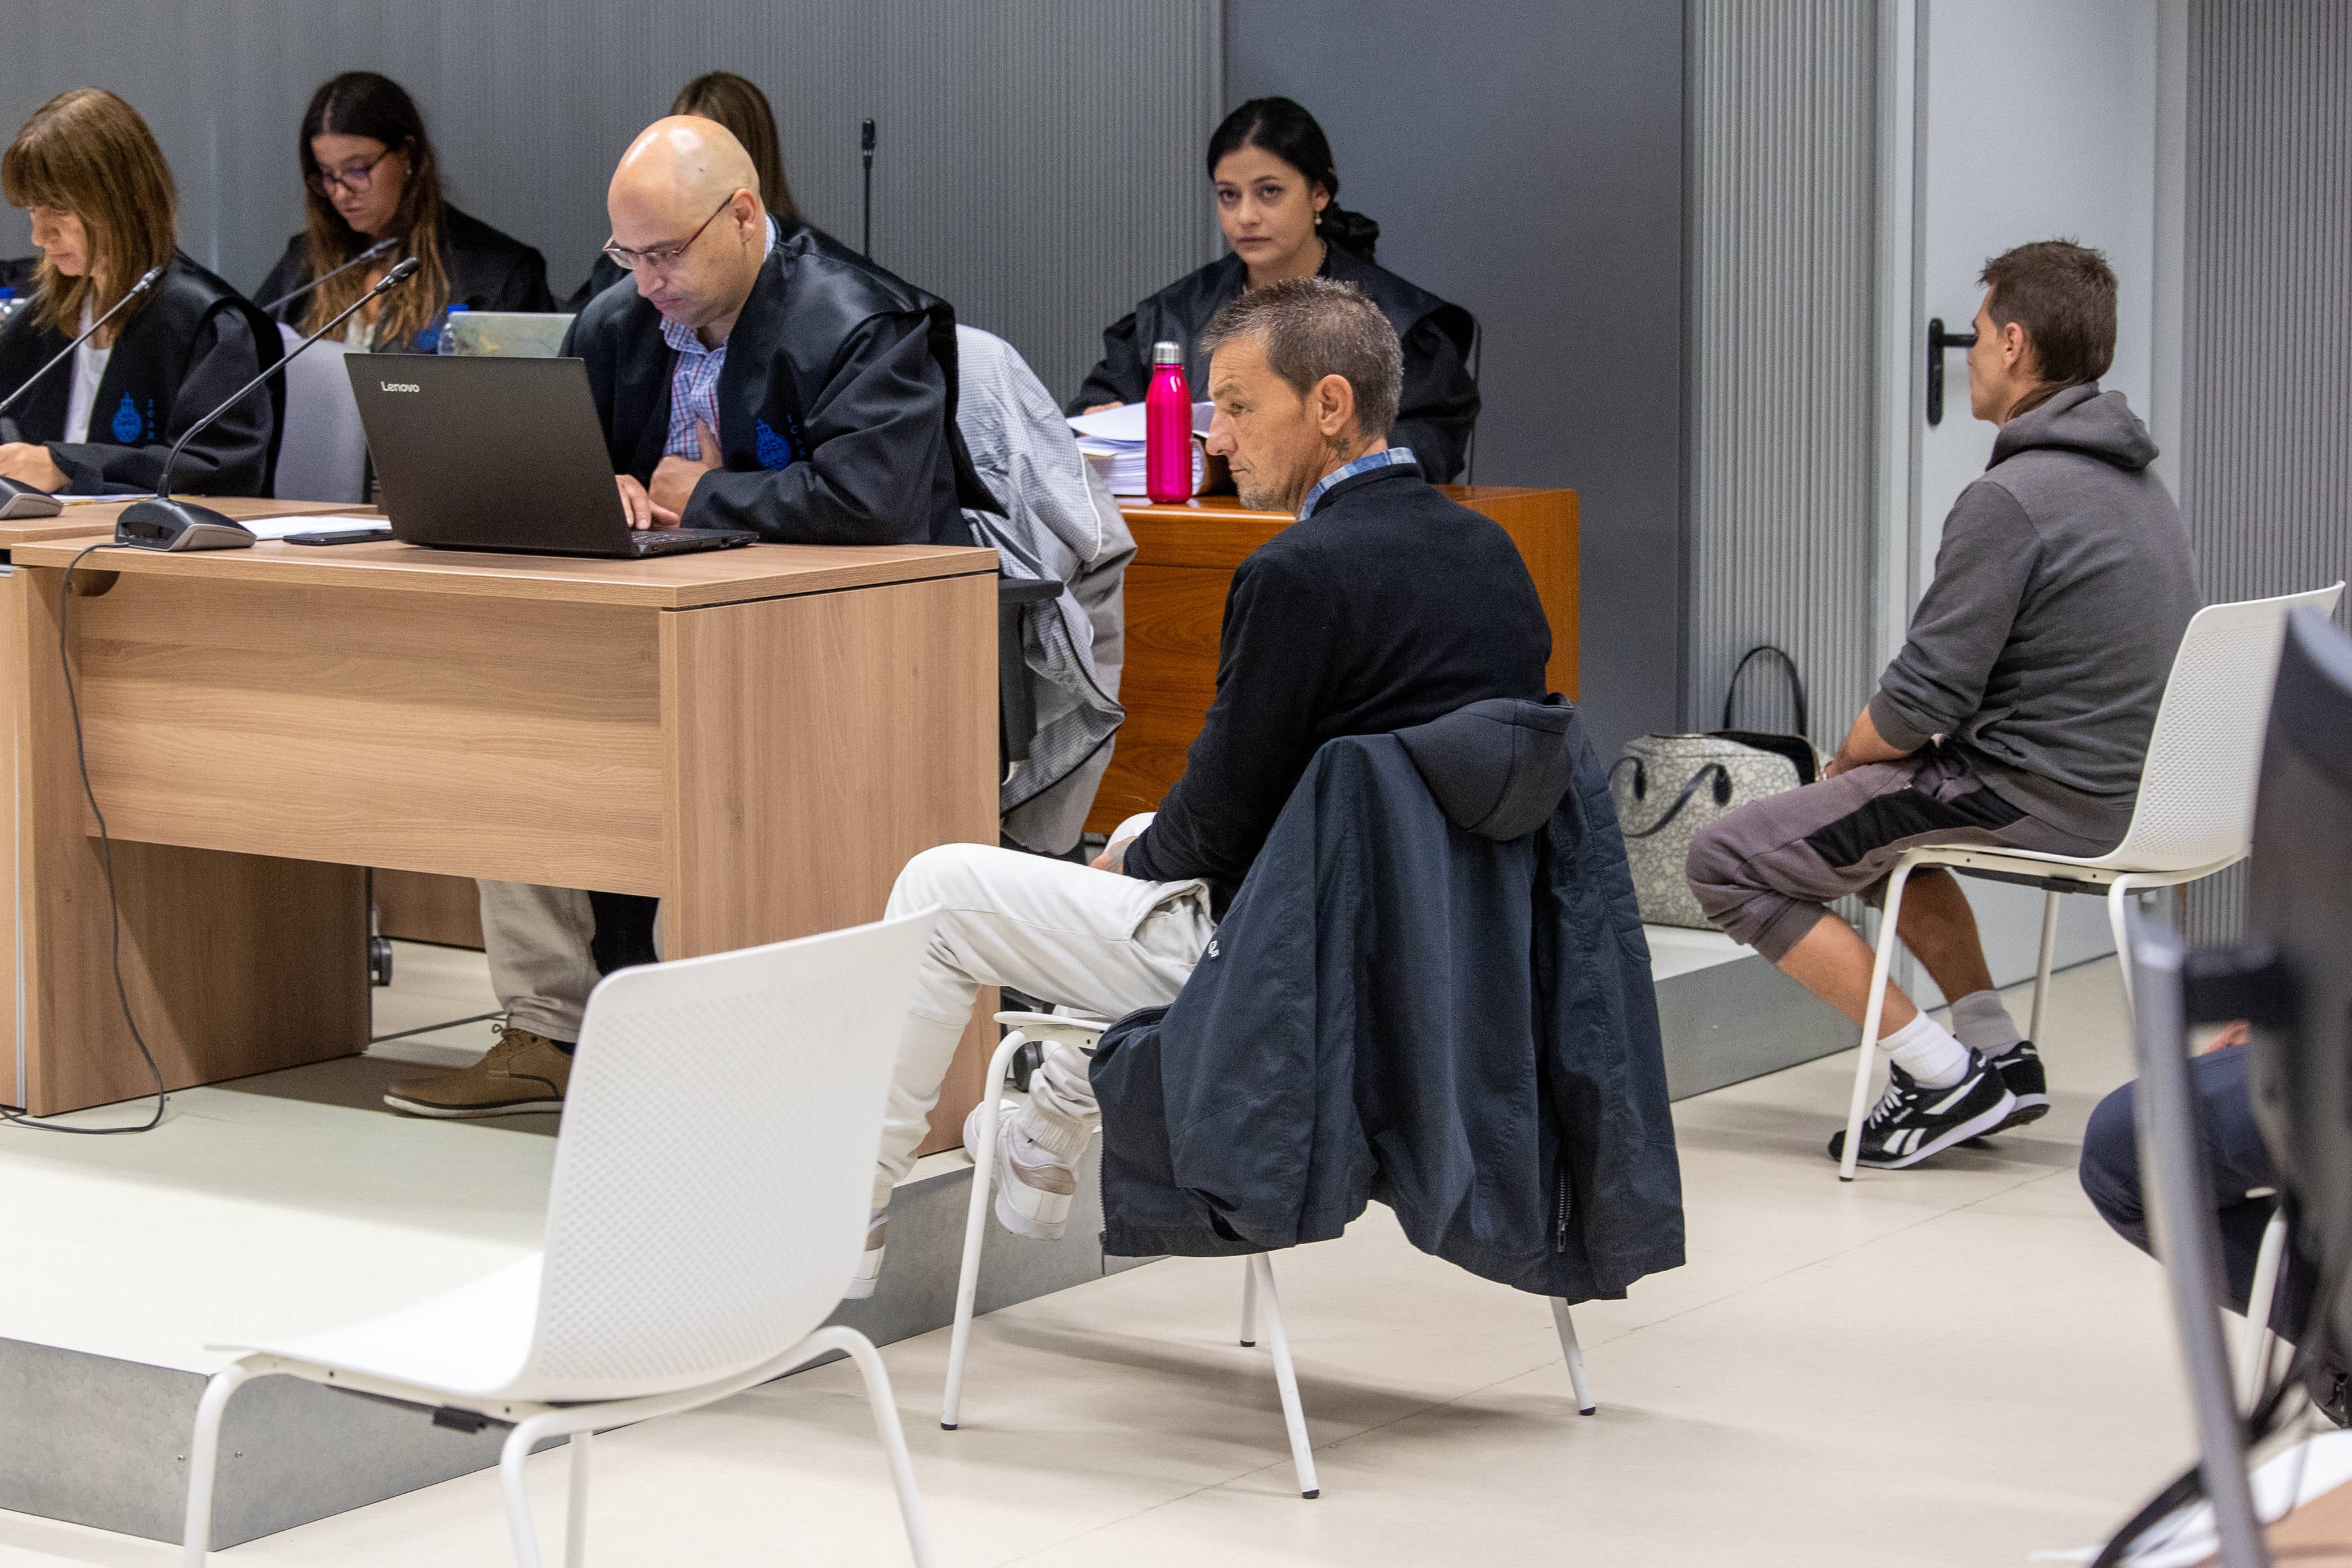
(1351, 232)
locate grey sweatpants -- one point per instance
(537, 940)
(1766, 872)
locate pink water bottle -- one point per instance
(1168, 428)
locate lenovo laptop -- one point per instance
(501, 454)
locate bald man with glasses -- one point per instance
(754, 378)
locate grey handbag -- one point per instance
(1667, 787)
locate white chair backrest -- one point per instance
(322, 454)
(2195, 800)
(716, 1160)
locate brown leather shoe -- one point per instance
(522, 1072)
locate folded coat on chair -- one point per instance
(1401, 1007)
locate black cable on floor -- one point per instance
(114, 904)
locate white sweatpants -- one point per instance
(1067, 934)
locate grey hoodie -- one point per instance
(2062, 587)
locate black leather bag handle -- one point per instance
(1722, 795)
(1796, 685)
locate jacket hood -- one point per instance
(2080, 419)
(1497, 768)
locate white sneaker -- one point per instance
(1033, 1188)
(869, 1265)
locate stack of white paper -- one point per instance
(1112, 441)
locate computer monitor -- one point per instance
(2299, 901)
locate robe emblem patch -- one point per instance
(773, 450)
(127, 424)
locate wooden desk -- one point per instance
(759, 736)
(1185, 560)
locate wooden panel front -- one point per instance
(819, 743)
(234, 963)
(521, 741)
(1185, 562)
(422, 906)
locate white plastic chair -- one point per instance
(2194, 817)
(322, 453)
(709, 1208)
(1257, 1278)
(2257, 1345)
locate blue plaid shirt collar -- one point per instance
(1388, 458)
(694, 380)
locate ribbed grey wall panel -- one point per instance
(1039, 160)
(1783, 107)
(2267, 366)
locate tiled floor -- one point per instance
(1950, 1365)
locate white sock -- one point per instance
(1928, 1052)
(1984, 1024)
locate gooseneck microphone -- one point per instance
(389, 242)
(866, 146)
(163, 523)
(22, 501)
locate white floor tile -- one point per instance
(1956, 1365)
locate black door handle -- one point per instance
(1939, 340)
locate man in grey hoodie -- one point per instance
(2017, 713)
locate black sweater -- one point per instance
(1389, 606)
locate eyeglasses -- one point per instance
(661, 258)
(354, 178)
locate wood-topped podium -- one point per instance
(1185, 555)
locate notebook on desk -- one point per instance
(501, 454)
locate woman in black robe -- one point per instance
(370, 175)
(1276, 186)
(104, 208)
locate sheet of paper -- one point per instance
(1125, 423)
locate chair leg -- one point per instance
(517, 1448)
(1285, 1376)
(203, 1462)
(1249, 1305)
(2119, 897)
(2255, 1346)
(575, 1504)
(2042, 968)
(894, 1438)
(975, 1225)
(1860, 1105)
(1574, 1356)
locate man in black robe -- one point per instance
(752, 380)
(834, 397)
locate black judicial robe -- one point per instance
(488, 271)
(181, 355)
(1440, 401)
(837, 406)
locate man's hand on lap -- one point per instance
(673, 483)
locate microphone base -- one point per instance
(163, 525)
(17, 500)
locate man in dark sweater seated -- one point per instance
(2017, 714)
(1385, 605)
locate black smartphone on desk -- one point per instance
(341, 536)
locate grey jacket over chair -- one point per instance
(1431, 990)
(1059, 525)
